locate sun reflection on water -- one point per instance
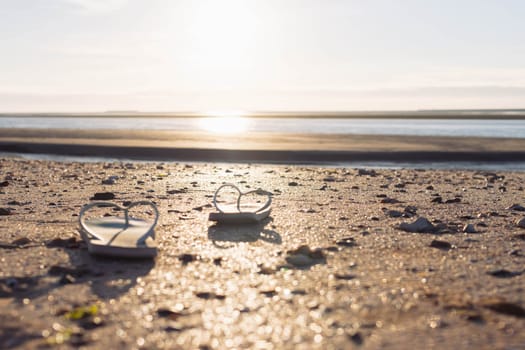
(219, 122)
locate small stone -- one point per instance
(293, 183)
(469, 228)
(209, 295)
(21, 241)
(304, 257)
(345, 277)
(393, 213)
(4, 183)
(5, 211)
(502, 273)
(453, 200)
(346, 242)
(388, 200)
(110, 180)
(443, 245)
(520, 223)
(516, 207)
(187, 258)
(421, 225)
(357, 338)
(170, 314)
(363, 172)
(67, 279)
(438, 199)
(103, 196)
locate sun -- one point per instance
(224, 122)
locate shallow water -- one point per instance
(383, 126)
(487, 166)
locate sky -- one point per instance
(260, 55)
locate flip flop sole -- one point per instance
(239, 218)
(115, 238)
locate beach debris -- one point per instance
(520, 223)
(5, 211)
(305, 257)
(516, 207)
(421, 225)
(469, 228)
(443, 245)
(502, 273)
(103, 196)
(111, 180)
(346, 242)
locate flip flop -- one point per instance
(119, 236)
(237, 213)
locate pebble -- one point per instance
(293, 183)
(520, 223)
(443, 245)
(388, 200)
(346, 242)
(4, 183)
(187, 258)
(304, 257)
(502, 273)
(516, 207)
(5, 211)
(363, 172)
(394, 213)
(110, 180)
(209, 295)
(103, 196)
(469, 228)
(421, 225)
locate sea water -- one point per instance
(503, 128)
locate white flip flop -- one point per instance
(119, 236)
(235, 213)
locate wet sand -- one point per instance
(260, 147)
(361, 282)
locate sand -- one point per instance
(364, 284)
(260, 147)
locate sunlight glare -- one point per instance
(224, 122)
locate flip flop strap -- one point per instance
(142, 239)
(257, 191)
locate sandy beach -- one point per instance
(335, 266)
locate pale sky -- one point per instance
(231, 55)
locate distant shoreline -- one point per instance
(512, 114)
